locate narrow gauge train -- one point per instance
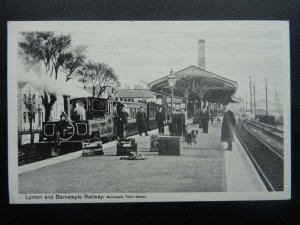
(99, 122)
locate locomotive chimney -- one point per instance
(67, 105)
(201, 53)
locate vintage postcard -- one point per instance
(148, 111)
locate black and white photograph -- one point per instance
(148, 111)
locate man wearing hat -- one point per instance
(141, 120)
(227, 127)
(205, 119)
(60, 131)
(121, 121)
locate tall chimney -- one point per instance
(201, 53)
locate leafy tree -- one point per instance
(54, 51)
(97, 75)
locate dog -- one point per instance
(195, 137)
(188, 139)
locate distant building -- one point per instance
(26, 90)
(137, 95)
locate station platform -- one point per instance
(204, 167)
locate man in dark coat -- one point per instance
(205, 119)
(61, 129)
(141, 120)
(160, 118)
(200, 119)
(227, 125)
(120, 121)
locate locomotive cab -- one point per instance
(88, 108)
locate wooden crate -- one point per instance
(90, 148)
(169, 145)
(126, 148)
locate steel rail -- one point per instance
(265, 129)
(256, 164)
(270, 148)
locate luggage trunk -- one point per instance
(92, 147)
(125, 146)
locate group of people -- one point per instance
(142, 120)
(121, 121)
(228, 123)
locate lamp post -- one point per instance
(171, 82)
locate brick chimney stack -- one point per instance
(201, 53)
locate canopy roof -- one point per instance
(207, 85)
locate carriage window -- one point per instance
(99, 105)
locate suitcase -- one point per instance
(92, 147)
(125, 146)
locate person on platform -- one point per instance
(60, 131)
(200, 119)
(141, 120)
(120, 121)
(160, 118)
(205, 119)
(79, 110)
(227, 127)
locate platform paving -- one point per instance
(201, 168)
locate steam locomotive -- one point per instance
(98, 122)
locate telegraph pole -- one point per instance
(266, 100)
(246, 101)
(250, 86)
(254, 100)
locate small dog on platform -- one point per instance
(191, 137)
(195, 137)
(188, 139)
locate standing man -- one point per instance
(121, 121)
(227, 125)
(60, 131)
(205, 119)
(200, 119)
(141, 120)
(160, 118)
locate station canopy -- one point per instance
(208, 86)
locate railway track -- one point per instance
(273, 132)
(32, 156)
(27, 158)
(268, 162)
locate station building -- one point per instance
(199, 87)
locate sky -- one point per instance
(148, 50)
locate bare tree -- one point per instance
(54, 52)
(97, 75)
(74, 60)
(107, 79)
